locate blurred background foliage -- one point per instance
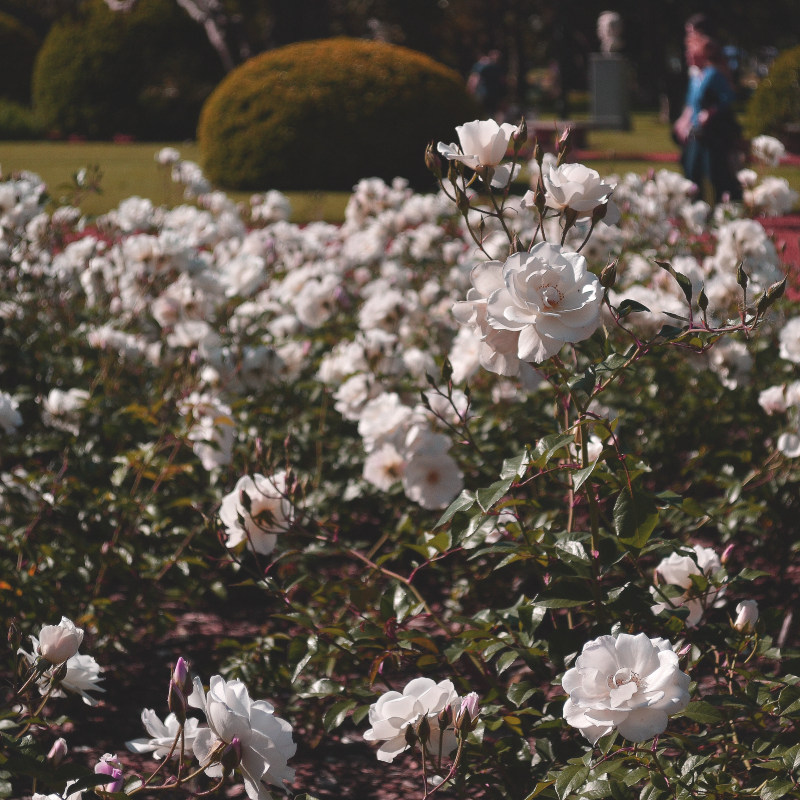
(545, 49)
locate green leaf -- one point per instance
(516, 467)
(518, 693)
(629, 307)
(336, 714)
(570, 779)
(492, 494)
(560, 602)
(463, 502)
(776, 788)
(580, 476)
(701, 711)
(505, 661)
(682, 280)
(548, 445)
(635, 518)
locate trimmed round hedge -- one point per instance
(145, 73)
(324, 114)
(776, 101)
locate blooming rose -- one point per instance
(631, 683)
(111, 766)
(789, 444)
(789, 338)
(767, 149)
(579, 188)
(483, 144)
(10, 418)
(257, 521)
(162, 734)
(394, 713)
(746, 616)
(549, 297)
(82, 675)
(58, 643)
(265, 740)
(678, 570)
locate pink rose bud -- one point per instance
(746, 616)
(467, 714)
(58, 643)
(726, 554)
(176, 701)
(57, 752)
(180, 676)
(231, 756)
(110, 765)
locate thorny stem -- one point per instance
(452, 770)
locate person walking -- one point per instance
(707, 130)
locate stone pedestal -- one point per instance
(609, 91)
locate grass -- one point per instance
(130, 168)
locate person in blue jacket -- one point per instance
(707, 129)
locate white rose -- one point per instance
(577, 187)
(746, 616)
(483, 144)
(394, 712)
(789, 338)
(631, 683)
(549, 297)
(266, 740)
(162, 734)
(58, 643)
(268, 514)
(677, 570)
(767, 149)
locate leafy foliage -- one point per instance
(144, 73)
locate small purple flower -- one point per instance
(111, 766)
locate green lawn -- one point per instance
(130, 169)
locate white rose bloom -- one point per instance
(549, 298)
(483, 144)
(677, 570)
(773, 400)
(162, 734)
(352, 395)
(498, 348)
(746, 616)
(767, 149)
(394, 712)
(381, 418)
(579, 188)
(432, 479)
(10, 418)
(58, 643)
(772, 197)
(789, 339)
(62, 408)
(631, 683)
(789, 444)
(266, 740)
(384, 467)
(82, 675)
(270, 512)
(212, 431)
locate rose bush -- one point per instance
(460, 510)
